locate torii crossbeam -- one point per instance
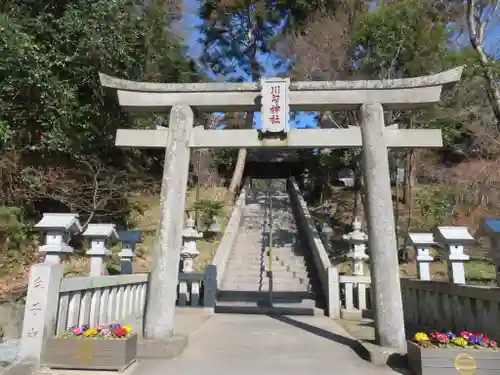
(275, 97)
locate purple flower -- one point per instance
(114, 326)
(85, 327)
(451, 335)
(475, 340)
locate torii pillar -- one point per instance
(384, 266)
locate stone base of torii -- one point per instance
(278, 97)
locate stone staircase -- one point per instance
(246, 285)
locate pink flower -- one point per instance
(442, 338)
(466, 335)
(42, 137)
(105, 332)
(100, 327)
(78, 331)
(493, 344)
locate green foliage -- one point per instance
(51, 97)
(436, 203)
(400, 38)
(11, 226)
(209, 208)
(224, 161)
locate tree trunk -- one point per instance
(410, 177)
(360, 197)
(237, 178)
(242, 153)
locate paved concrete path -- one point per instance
(259, 344)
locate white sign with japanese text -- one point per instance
(275, 104)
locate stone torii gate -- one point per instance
(275, 97)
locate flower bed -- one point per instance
(105, 347)
(450, 353)
(102, 331)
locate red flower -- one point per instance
(42, 137)
(120, 332)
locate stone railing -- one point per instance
(328, 274)
(432, 305)
(226, 244)
(198, 289)
(355, 297)
(101, 300)
(55, 303)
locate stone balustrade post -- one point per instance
(357, 240)
(490, 228)
(423, 242)
(454, 239)
(100, 236)
(58, 230)
(129, 240)
(40, 313)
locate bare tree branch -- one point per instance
(477, 22)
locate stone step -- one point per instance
(253, 296)
(291, 262)
(297, 265)
(258, 278)
(257, 287)
(253, 269)
(277, 273)
(276, 256)
(237, 307)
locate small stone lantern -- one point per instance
(214, 226)
(454, 239)
(189, 251)
(326, 229)
(129, 239)
(58, 230)
(423, 242)
(490, 228)
(100, 235)
(357, 241)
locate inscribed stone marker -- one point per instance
(275, 108)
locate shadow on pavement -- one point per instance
(396, 361)
(346, 341)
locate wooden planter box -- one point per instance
(90, 354)
(447, 361)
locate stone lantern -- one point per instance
(129, 239)
(357, 241)
(100, 235)
(423, 243)
(214, 226)
(454, 239)
(189, 251)
(58, 230)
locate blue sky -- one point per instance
(190, 23)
